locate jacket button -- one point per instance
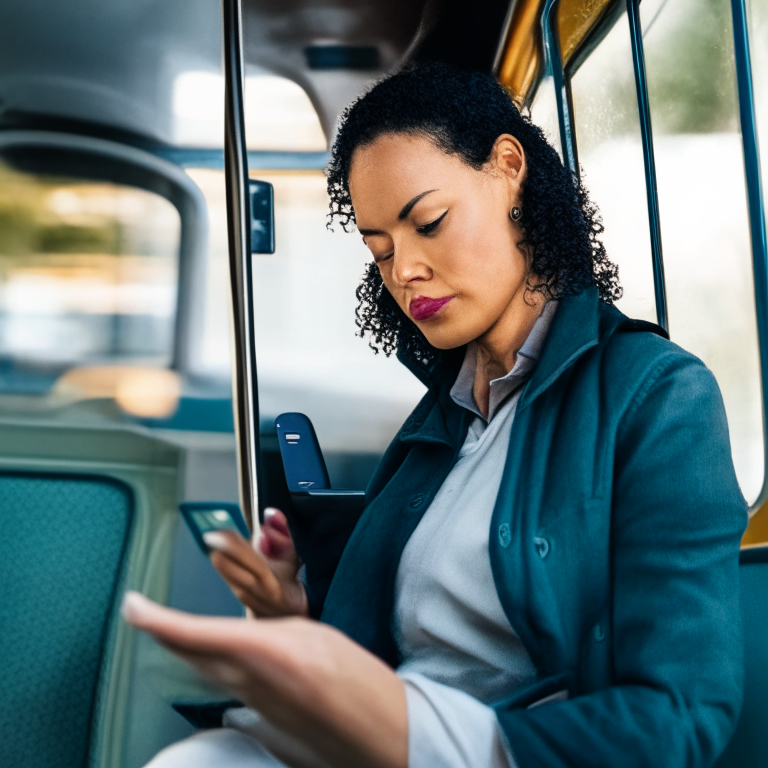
(598, 633)
(542, 546)
(505, 535)
(417, 501)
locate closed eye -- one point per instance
(428, 229)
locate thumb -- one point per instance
(276, 542)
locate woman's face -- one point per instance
(441, 234)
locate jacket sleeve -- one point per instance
(677, 520)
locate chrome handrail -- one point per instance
(244, 384)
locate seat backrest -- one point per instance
(85, 512)
(61, 556)
(749, 745)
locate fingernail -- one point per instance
(131, 606)
(215, 540)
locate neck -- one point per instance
(497, 348)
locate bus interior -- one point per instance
(116, 332)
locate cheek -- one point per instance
(484, 260)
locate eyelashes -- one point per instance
(424, 229)
(428, 229)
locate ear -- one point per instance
(508, 158)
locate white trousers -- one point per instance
(246, 741)
(217, 748)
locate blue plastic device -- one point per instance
(302, 458)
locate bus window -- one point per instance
(278, 113)
(309, 358)
(88, 280)
(544, 112)
(611, 157)
(703, 209)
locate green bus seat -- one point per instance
(61, 557)
(86, 512)
(749, 745)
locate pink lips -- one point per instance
(422, 307)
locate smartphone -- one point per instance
(204, 516)
(303, 460)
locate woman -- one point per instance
(546, 570)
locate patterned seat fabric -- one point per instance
(62, 544)
(749, 745)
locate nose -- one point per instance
(409, 265)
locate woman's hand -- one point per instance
(309, 680)
(265, 581)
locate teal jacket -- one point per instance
(614, 545)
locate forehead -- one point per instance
(396, 167)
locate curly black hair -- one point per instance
(463, 113)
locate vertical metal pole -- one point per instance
(755, 205)
(551, 38)
(646, 134)
(244, 387)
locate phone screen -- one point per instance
(202, 517)
(213, 520)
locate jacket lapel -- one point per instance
(575, 329)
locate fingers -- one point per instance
(213, 646)
(183, 631)
(263, 597)
(270, 649)
(275, 518)
(269, 588)
(240, 551)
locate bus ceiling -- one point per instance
(109, 69)
(115, 64)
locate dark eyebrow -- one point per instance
(407, 208)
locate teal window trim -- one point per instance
(561, 81)
(554, 65)
(755, 205)
(646, 133)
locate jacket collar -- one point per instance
(581, 322)
(575, 330)
(437, 418)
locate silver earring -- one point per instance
(515, 214)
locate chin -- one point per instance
(445, 341)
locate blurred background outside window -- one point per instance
(278, 113)
(88, 279)
(89, 272)
(309, 356)
(705, 234)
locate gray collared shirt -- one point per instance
(459, 651)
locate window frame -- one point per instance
(755, 201)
